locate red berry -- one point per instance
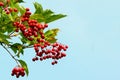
(50, 56)
(56, 62)
(28, 13)
(44, 57)
(1, 4)
(66, 46)
(17, 76)
(53, 57)
(10, 9)
(27, 9)
(64, 49)
(35, 45)
(48, 51)
(42, 36)
(63, 54)
(40, 54)
(38, 45)
(12, 74)
(53, 63)
(23, 74)
(53, 52)
(15, 10)
(42, 47)
(17, 30)
(33, 59)
(46, 25)
(36, 49)
(30, 39)
(41, 59)
(36, 58)
(7, 12)
(26, 19)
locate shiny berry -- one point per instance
(15, 10)
(27, 9)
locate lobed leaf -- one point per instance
(38, 17)
(38, 8)
(54, 17)
(46, 16)
(51, 34)
(47, 13)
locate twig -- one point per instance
(10, 53)
(11, 33)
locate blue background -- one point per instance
(92, 31)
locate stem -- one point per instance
(10, 54)
(11, 33)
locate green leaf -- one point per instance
(20, 51)
(38, 17)
(46, 16)
(52, 40)
(51, 34)
(3, 38)
(24, 65)
(5, 21)
(17, 48)
(47, 13)
(14, 49)
(1, 9)
(9, 28)
(20, 8)
(19, 1)
(54, 17)
(38, 8)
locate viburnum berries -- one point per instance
(34, 31)
(47, 51)
(34, 28)
(10, 10)
(18, 71)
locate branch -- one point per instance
(10, 53)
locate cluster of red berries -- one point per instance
(33, 29)
(18, 71)
(9, 10)
(6, 9)
(47, 51)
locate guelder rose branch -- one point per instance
(30, 27)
